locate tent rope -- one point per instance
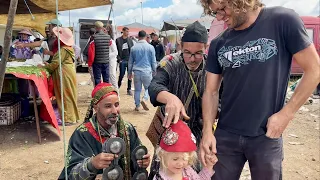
(62, 104)
(25, 2)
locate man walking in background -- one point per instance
(158, 47)
(124, 45)
(142, 63)
(98, 54)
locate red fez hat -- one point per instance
(101, 91)
(178, 138)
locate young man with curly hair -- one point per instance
(253, 56)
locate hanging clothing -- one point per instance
(69, 80)
(85, 143)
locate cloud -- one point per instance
(129, 11)
(155, 16)
(302, 7)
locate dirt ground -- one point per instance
(22, 158)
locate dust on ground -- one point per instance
(22, 158)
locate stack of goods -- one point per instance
(10, 109)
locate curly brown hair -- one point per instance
(236, 5)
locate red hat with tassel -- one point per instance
(178, 138)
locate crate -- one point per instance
(10, 110)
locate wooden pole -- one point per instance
(36, 113)
(7, 41)
(108, 22)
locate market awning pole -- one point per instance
(110, 12)
(7, 41)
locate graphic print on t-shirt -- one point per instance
(261, 50)
(125, 46)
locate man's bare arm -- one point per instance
(33, 44)
(308, 60)
(210, 100)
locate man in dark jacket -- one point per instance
(98, 53)
(124, 45)
(158, 47)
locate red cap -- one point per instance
(102, 91)
(178, 138)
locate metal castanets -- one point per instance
(114, 146)
(137, 154)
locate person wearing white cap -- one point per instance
(69, 80)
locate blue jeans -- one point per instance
(123, 68)
(141, 78)
(264, 155)
(98, 70)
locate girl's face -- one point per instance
(175, 162)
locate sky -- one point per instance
(156, 11)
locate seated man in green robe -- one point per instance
(85, 159)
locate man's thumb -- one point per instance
(184, 114)
(213, 148)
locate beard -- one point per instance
(193, 65)
(109, 119)
(239, 19)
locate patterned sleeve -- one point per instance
(79, 155)
(81, 171)
(204, 174)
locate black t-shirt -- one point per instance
(255, 65)
(125, 50)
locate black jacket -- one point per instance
(119, 43)
(158, 47)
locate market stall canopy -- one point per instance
(42, 10)
(171, 33)
(47, 6)
(23, 20)
(134, 29)
(180, 24)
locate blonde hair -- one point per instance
(190, 156)
(236, 5)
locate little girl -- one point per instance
(177, 154)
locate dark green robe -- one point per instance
(85, 143)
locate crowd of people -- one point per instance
(252, 58)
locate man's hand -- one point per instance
(19, 45)
(130, 76)
(277, 123)
(145, 162)
(207, 146)
(103, 160)
(46, 52)
(174, 109)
